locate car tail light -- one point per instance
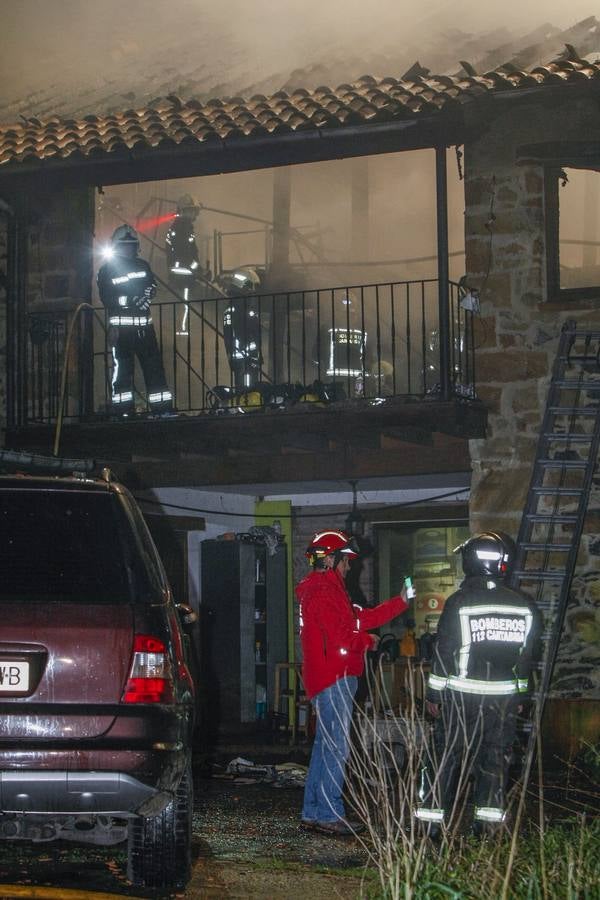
(150, 679)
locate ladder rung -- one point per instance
(541, 575)
(530, 545)
(569, 436)
(560, 492)
(563, 463)
(562, 519)
(573, 410)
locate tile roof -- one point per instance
(172, 122)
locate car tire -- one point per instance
(159, 847)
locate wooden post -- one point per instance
(359, 244)
(282, 196)
(443, 270)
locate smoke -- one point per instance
(47, 42)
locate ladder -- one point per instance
(559, 491)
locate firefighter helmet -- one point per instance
(490, 553)
(310, 397)
(244, 280)
(186, 202)
(331, 541)
(250, 400)
(124, 234)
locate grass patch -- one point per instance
(561, 864)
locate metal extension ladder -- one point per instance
(559, 491)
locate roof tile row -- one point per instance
(172, 121)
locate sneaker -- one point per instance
(307, 824)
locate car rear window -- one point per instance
(61, 546)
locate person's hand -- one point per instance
(434, 709)
(405, 597)
(375, 641)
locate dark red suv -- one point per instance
(96, 698)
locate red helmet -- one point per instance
(330, 541)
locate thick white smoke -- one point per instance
(45, 42)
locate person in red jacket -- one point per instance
(334, 637)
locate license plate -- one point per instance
(14, 676)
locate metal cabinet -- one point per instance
(244, 629)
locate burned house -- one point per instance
(427, 419)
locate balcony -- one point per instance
(394, 376)
(305, 346)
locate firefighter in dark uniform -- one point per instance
(343, 346)
(241, 327)
(182, 254)
(487, 642)
(126, 286)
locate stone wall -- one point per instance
(58, 248)
(516, 340)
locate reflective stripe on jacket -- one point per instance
(333, 632)
(487, 641)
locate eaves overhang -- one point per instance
(237, 154)
(174, 138)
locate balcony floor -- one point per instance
(353, 439)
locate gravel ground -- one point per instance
(246, 844)
(251, 844)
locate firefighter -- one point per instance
(126, 285)
(344, 343)
(241, 327)
(487, 642)
(182, 254)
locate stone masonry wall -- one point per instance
(60, 249)
(59, 227)
(516, 339)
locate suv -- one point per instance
(96, 697)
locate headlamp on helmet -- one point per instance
(491, 553)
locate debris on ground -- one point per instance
(245, 771)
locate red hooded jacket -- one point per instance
(333, 631)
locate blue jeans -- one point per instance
(325, 779)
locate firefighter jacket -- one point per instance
(126, 286)
(241, 329)
(487, 641)
(182, 252)
(334, 632)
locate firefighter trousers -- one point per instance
(472, 739)
(128, 342)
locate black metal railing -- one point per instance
(282, 348)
